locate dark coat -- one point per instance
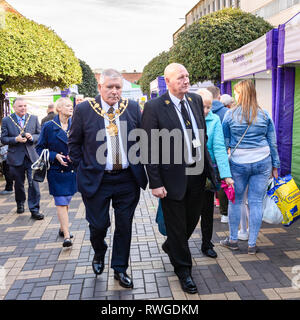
(83, 145)
(16, 150)
(61, 180)
(50, 116)
(160, 114)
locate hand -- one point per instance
(275, 173)
(28, 136)
(159, 192)
(229, 182)
(60, 159)
(20, 139)
(68, 158)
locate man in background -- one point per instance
(50, 114)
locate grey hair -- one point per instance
(205, 94)
(18, 99)
(110, 73)
(62, 101)
(226, 99)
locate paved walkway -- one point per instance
(38, 268)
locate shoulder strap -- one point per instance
(242, 137)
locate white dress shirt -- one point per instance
(109, 159)
(177, 107)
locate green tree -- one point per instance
(153, 69)
(33, 57)
(200, 46)
(89, 85)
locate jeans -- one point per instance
(256, 175)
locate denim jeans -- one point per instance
(256, 176)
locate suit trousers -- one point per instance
(8, 178)
(122, 191)
(207, 218)
(181, 218)
(18, 175)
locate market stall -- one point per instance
(287, 116)
(256, 60)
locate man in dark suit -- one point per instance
(20, 131)
(98, 146)
(50, 114)
(180, 182)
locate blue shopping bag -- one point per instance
(160, 219)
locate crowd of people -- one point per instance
(223, 140)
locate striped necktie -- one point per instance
(115, 146)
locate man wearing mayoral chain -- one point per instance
(104, 123)
(20, 131)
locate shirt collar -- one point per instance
(106, 106)
(20, 118)
(175, 100)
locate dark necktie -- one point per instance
(115, 147)
(188, 124)
(21, 123)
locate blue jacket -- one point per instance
(261, 133)
(61, 180)
(216, 144)
(219, 109)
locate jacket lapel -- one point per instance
(100, 121)
(195, 110)
(169, 109)
(60, 133)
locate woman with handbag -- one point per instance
(250, 135)
(61, 176)
(218, 154)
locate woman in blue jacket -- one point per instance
(219, 157)
(61, 175)
(252, 161)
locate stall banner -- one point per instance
(289, 39)
(249, 59)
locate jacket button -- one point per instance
(72, 171)
(62, 171)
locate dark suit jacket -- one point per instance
(16, 150)
(160, 114)
(61, 179)
(50, 116)
(83, 145)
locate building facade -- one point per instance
(274, 11)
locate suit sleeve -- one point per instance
(36, 134)
(76, 137)
(150, 122)
(5, 138)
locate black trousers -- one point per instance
(18, 174)
(7, 175)
(207, 219)
(122, 191)
(181, 218)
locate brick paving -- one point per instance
(38, 268)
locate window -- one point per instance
(219, 5)
(208, 8)
(224, 3)
(205, 11)
(214, 6)
(275, 7)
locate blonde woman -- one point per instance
(61, 175)
(250, 134)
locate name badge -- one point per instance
(196, 143)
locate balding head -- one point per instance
(207, 99)
(177, 79)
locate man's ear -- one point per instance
(99, 87)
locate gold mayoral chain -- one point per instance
(66, 131)
(112, 128)
(18, 126)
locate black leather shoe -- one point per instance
(98, 265)
(61, 234)
(37, 216)
(67, 242)
(210, 253)
(188, 285)
(20, 207)
(124, 279)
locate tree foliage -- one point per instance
(153, 69)
(89, 85)
(200, 46)
(33, 57)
